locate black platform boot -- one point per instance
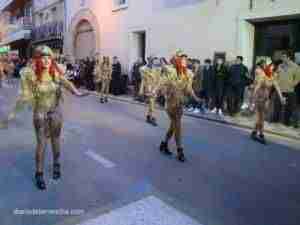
(164, 148)
(106, 99)
(180, 155)
(153, 122)
(262, 139)
(101, 100)
(40, 182)
(254, 135)
(56, 171)
(148, 119)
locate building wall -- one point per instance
(200, 27)
(266, 8)
(44, 13)
(105, 24)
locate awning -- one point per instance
(19, 35)
(54, 43)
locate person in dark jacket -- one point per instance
(89, 74)
(136, 76)
(208, 82)
(116, 76)
(193, 105)
(238, 80)
(221, 77)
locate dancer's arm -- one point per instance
(190, 88)
(25, 97)
(71, 88)
(278, 90)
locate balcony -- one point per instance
(53, 30)
(18, 29)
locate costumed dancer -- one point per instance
(106, 75)
(151, 76)
(41, 88)
(261, 95)
(103, 76)
(176, 84)
(3, 67)
(1, 73)
(97, 76)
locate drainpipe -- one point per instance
(32, 28)
(65, 25)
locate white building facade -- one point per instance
(202, 28)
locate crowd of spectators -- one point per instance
(227, 87)
(224, 87)
(82, 74)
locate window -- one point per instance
(251, 4)
(41, 18)
(46, 17)
(54, 13)
(120, 4)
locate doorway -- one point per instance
(85, 42)
(271, 38)
(138, 43)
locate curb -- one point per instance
(206, 118)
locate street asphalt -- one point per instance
(113, 173)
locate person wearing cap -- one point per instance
(41, 88)
(176, 84)
(151, 75)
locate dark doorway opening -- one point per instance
(273, 37)
(141, 44)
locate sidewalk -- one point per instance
(239, 121)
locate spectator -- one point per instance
(82, 73)
(288, 79)
(18, 67)
(136, 76)
(190, 63)
(116, 76)
(208, 87)
(221, 77)
(238, 79)
(195, 107)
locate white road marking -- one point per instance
(148, 211)
(103, 161)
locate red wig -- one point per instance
(39, 68)
(269, 70)
(181, 70)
